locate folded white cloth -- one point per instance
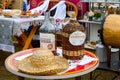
(86, 59)
(60, 10)
(60, 14)
(42, 8)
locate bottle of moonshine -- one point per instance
(73, 40)
(47, 34)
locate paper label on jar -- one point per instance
(47, 41)
(77, 38)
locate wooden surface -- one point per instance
(30, 37)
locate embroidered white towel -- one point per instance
(60, 10)
(42, 8)
(60, 14)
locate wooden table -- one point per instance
(11, 66)
(18, 26)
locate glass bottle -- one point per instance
(47, 34)
(73, 40)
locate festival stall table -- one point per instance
(15, 26)
(76, 68)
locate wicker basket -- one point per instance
(71, 51)
(59, 38)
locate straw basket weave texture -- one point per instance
(70, 51)
(43, 62)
